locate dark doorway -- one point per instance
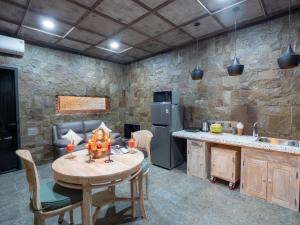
(9, 119)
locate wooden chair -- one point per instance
(108, 196)
(143, 139)
(48, 199)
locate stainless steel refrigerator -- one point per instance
(166, 117)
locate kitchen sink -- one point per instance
(278, 141)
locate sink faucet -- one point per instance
(255, 129)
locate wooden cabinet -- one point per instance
(255, 177)
(197, 158)
(272, 176)
(283, 185)
(225, 162)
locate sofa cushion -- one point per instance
(91, 125)
(63, 128)
(88, 136)
(54, 196)
(80, 147)
(61, 143)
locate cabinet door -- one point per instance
(254, 180)
(283, 185)
(196, 159)
(222, 164)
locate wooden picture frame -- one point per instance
(82, 104)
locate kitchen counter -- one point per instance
(230, 139)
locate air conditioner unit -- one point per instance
(12, 46)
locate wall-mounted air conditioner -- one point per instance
(12, 46)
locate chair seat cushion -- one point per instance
(145, 165)
(54, 196)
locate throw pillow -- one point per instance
(72, 137)
(105, 128)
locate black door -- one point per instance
(9, 124)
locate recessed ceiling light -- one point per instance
(48, 24)
(114, 45)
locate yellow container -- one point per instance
(216, 128)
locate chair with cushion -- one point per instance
(48, 199)
(143, 142)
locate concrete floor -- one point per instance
(175, 199)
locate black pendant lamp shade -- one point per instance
(288, 59)
(235, 69)
(197, 73)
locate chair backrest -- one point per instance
(143, 139)
(32, 177)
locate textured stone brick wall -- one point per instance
(263, 93)
(45, 73)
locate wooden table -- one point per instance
(77, 173)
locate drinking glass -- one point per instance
(131, 145)
(70, 150)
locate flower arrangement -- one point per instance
(99, 144)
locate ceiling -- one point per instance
(143, 27)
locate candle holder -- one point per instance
(108, 149)
(108, 160)
(90, 160)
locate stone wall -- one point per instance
(45, 73)
(263, 93)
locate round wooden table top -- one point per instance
(78, 171)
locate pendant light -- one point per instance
(197, 73)
(235, 69)
(288, 59)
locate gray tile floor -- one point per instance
(175, 199)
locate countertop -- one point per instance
(230, 139)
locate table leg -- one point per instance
(133, 194)
(87, 205)
(141, 195)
